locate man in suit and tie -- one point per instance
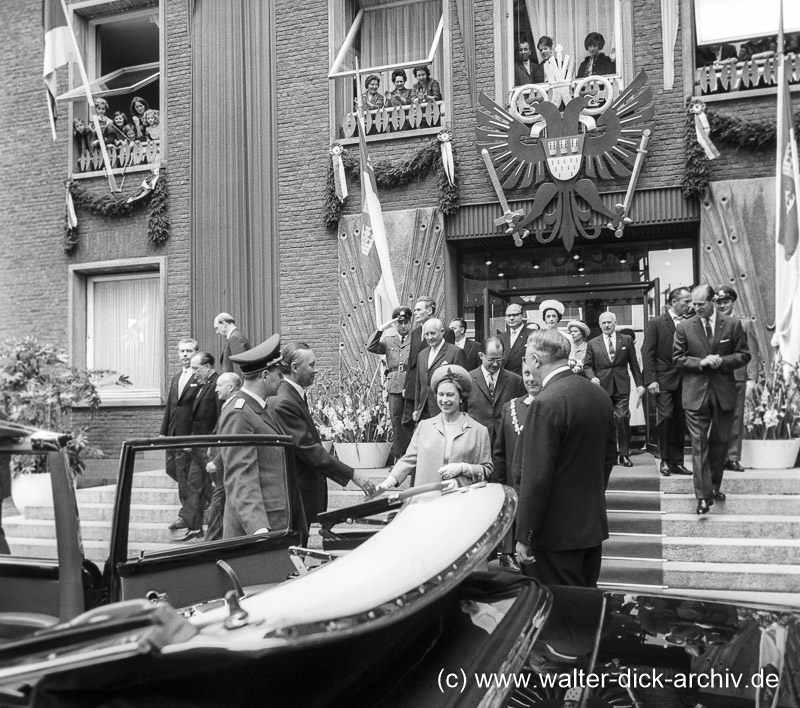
(746, 376)
(235, 341)
(458, 326)
(608, 358)
(492, 387)
(515, 338)
(205, 411)
(708, 348)
(423, 311)
(526, 69)
(437, 353)
(313, 464)
(177, 419)
(392, 339)
(567, 452)
(663, 380)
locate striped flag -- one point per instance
(787, 224)
(376, 267)
(58, 50)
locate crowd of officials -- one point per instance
(541, 409)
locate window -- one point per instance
(118, 324)
(122, 56)
(385, 37)
(737, 47)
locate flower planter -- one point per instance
(31, 490)
(327, 445)
(363, 455)
(770, 454)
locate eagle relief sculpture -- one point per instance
(533, 143)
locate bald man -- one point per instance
(235, 342)
(437, 353)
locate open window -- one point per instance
(386, 38)
(122, 52)
(737, 45)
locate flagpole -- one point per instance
(112, 183)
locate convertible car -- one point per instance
(410, 617)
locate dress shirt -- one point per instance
(675, 318)
(513, 334)
(491, 379)
(609, 339)
(549, 376)
(460, 343)
(186, 375)
(433, 353)
(297, 387)
(261, 402)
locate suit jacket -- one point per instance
(692, 345)
(482, 407)
(256, 487)
(514, 355)
(416, 346)
(657, 354)
(388, 344)
(568, 449)
(471, 350)
(522, 76)
(235, 344)
(177, 418)
(313, 464)
(507, 469)
(613, 375)
(749, 372)
(425, 398)
(206, 407)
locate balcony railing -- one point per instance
(735, 76)
(121, 155)
(396, 119)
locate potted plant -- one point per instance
(353, 411)
(772, 418)
(39, 389)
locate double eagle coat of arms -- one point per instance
(534, 143)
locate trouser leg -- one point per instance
(718, 440)
(698, 422)
(621, 416)
(734, 450)
(401, 433)
(192, 509)
(678, 434)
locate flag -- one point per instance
(377, 269)
(787, 227)
(58, 50)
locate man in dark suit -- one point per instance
(423, 311)
(177, 420)
(458, 326)
(708, 347)
(437, 353)
(205, 411)
(235, 342)
(257, 490)
(663, 380)
(492, 387)
(514, 338)
(526, 69)
(608, 358)
(314, 465)
(567, 453)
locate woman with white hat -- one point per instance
(552, 311)
(579, 332)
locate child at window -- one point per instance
(152, 124)
(123, 130)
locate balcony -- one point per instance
(132, 156)
(727, 76)
(415, 119)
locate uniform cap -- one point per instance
(725, 292)
(401, 313)
(261, 357)
(452, 372)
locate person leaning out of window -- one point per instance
(425, 89)
(401, 96)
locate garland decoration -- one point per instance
(152, 192)
(739, 133)
(396, 173)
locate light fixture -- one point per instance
(581, 266)
(536, 263)
(488, 262)
(623, 256)
(501, 275)
(576, 256)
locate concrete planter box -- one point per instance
(770, 454)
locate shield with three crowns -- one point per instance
(564, 155)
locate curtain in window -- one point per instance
(568, 22)
(125, 331)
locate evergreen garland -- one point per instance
(737, 132)
(117, 205)
(390, 174)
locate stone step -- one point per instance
(632, 546)
(634, 522)
(154, 479)
(778, 551)
(744, 504)
(631, 572)
(767, 577)
(747, 482)
(640, 479)
(625, 500)
(718, 524)
(139, 495)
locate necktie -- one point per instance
(491, 386)
(611, 351)
(709, 333)
(402, 340)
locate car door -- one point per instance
(160, 477)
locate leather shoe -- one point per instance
(179, 523)
(507, 560)
(664, 469)
(734, 466)
(190, 534)
(680, 469)
(718, 495)
(625, 461)
(702, 506)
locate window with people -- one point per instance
(390, 54)
(737, 49)
(123, 55)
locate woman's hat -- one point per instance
(552, 305)
(582, 326)
(452, 372)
